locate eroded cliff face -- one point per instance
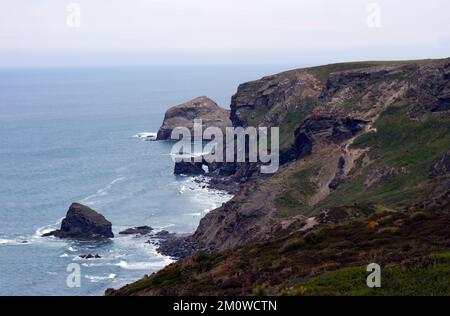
(335, 126)
(183, 115)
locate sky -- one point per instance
(43, 33)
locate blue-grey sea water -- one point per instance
(66, 135)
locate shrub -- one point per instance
(259, 291)
(390, 230)
(302, 290)
(315, 237)
(419, 216)
(373, 224)
(292, 245)
(200, 256)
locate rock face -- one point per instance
(175, 247)
(442, 167)
(324, 129)
(189, 168)
(378, 174)
(82, 222)
(183, 115)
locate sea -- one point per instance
(71, 135)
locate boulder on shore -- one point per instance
(183, 115)
(82, 222)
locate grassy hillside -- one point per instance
(329, 260)
(426, 276)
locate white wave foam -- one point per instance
(199, 185)
(122, 264)
(12, 242)
(102, 192)
(31, 239)
(88, 265)
(36, 237)
(146, 136)
(166, 226)
(97, 278)
(46, 229)
(145, 265)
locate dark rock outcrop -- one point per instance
(175, 247)
(82, 222)
(324, 129)
(442, 167)
(339, 177)
(433, 87)
(90, 256)
(188, 168)
(376, 175)
(183, 115)
(164, 234)
(140, 230)
(339, 215)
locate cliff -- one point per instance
(183, 115)
(349, 133)
(357, 140)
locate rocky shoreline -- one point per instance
(178, 246)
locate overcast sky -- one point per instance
(154, 32)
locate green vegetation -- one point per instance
(323, 72)
(295, 199)
(293, 245)
(169, 276)
(259, 291)
(257, 116)
(293, 120)
(428, 276)
(419, 216)
(200, 256)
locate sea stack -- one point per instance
(82, 222)
(183, 115)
